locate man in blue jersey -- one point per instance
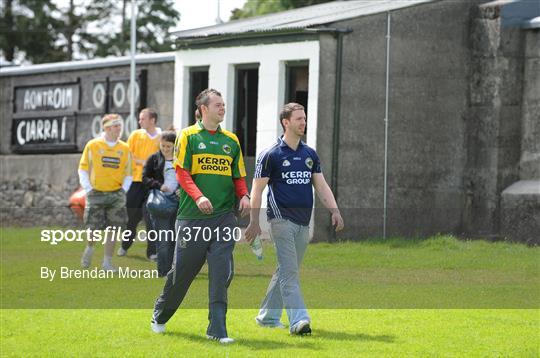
(290, 168)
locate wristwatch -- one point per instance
(249, 197)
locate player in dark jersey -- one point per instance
(290, 168)
(210, 169)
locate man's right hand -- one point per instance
(252, 231)
(204, 205)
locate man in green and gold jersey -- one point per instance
(210, 169)
(105, 174)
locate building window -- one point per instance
(198, 81)
(297, 84)
(245, 115)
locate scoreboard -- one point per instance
(62, 117)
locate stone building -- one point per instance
(462, 90)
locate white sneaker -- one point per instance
(224, 340)
(157, 328)
(121, 252)
(86, 258)
(109, 267)
(153, 257)
(301, 328)
(277, 325)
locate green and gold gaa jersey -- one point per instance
(213, 161)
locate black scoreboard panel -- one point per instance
(63, 117)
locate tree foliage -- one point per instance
(38, 31)
(29, 29)
(154, 19)
(261, 7)
(74, 37)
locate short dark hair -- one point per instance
(168, 136)
(287, 110)
(203, 98)
(151, 112)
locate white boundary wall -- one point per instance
(272, 59)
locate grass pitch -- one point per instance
(336, 332)
(435, 297)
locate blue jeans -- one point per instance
(290, 241)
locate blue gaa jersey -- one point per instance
(290, 192)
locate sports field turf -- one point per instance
(399, 297)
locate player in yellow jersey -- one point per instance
(105, 174)
(142, 143)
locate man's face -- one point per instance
(215, 111)
(296, 124)
(114, 131)
(145, 121)
(166, 148)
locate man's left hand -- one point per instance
(244, 206)
(337, 221)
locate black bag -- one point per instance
(160, 204)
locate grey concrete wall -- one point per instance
(463, 123)
(6, 108)
(494, 120)
(360, 159)
(520, 202)
(530, 142)
(161, 92)
(325, 127)
(35, 189)
(429, 69)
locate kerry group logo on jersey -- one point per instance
(211, 164)
(297, 177)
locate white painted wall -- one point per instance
(272, 59)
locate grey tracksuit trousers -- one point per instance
(191, 252)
